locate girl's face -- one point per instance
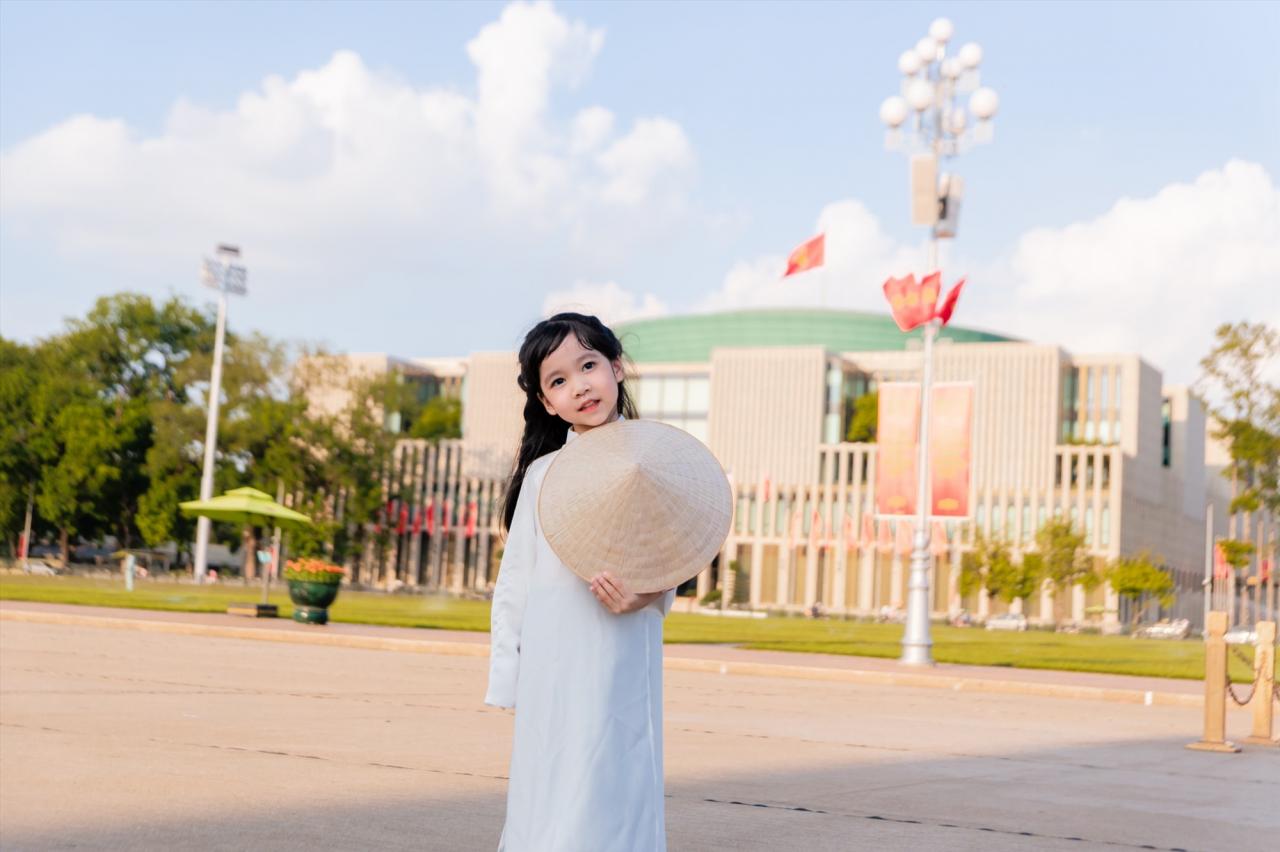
(579, 385)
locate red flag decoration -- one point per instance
(417, 520)
(431, 517)
(898, 431)
(806, 256)
(793, 527)
(404, 520)
(949, 303)
(914, 304)
(950, 415)
(1221, 569)
(473, 510)
(868, 530)
(884, 543)
(938, 541)
(1264, 570)
(905, 533)
(816, 527)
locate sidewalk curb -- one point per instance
(670, 663)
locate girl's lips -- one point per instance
(590, 406)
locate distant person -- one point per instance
(580, 663)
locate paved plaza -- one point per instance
(121, 739)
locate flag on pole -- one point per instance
(473, 510)
(807, 255)
(868, 530)
(431, 517)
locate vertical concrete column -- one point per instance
(866, 577)
(1264, 685)
(757, 569)
(1215, 688)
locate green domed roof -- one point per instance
(691, 337)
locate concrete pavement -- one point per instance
(124, 739)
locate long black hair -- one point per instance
(544, 432)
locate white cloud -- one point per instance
(1152, 276)
(859, 256)
(608, 301)
(346, 171)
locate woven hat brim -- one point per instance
(642, 500)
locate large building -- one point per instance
(1097, 438)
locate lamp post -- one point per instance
(927, 121)
(226, 276)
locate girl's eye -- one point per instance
(588, 365)
(555, 382)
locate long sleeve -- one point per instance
(509, 597)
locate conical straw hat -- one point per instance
(645, 501)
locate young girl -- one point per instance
(580, 663)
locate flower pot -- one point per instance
(311, 600)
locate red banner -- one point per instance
(897, 430)
(950, 415)
(473, 511)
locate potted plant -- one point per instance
(313, 584)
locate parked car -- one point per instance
(91, 553)
(1007, 621)
(1178, 628)
(44, 551)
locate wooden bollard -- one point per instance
(1264, 685)
(1215, 687)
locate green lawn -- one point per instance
(1032, 650)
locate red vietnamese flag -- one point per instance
(431, 517)
(949, 304)
(914, 304)
(868, 530)
(1221, 568)
(473, 509)
(417, 520)
(806, 256)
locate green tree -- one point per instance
(991, 565)
(1064, 560)
(862, 425)
(440, 418)
(1140, 579)
(18, 463)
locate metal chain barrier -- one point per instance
(1231, 687)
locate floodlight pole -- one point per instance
(225, 277)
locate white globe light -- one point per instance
(920, 94)
(909, 62)
(971, 55)
(956, 120)
(984, 103)
(951, 68)
(941, 30)
(893, 111)
(927, 49)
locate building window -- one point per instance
(1166, 417)
(1106, 526)
(698, 399)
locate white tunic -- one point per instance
(586, 756)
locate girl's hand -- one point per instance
(611, 592)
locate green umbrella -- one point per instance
(247, 506)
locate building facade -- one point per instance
(1096, 438)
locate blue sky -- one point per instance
(764, 129)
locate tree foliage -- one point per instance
(1141, 579)
(866, 412)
